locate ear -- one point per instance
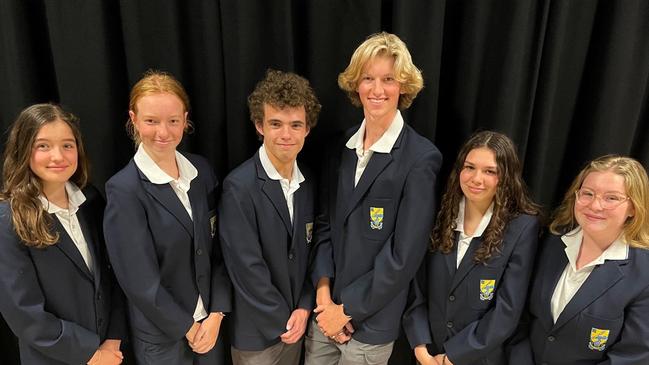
(307, 131)
(131, 115)
(630, 213)
(259, 127)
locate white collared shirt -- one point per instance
(186, 173)
(69, 220)
(464, 241)
(572, 279)
(288, 187)
(383, 145)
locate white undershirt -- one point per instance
(186, 173)
(69, 220)
(382, 145)
(288, 187)
(464, 240)
(572, 279)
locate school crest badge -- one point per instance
(487, 289)
(376, 218)
(309, 232)
(598, 339)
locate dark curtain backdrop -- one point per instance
(567, 80)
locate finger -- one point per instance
(290, 324)
(319, 308)
(349, 327)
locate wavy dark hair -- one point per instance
(21, 187)
(511, 200)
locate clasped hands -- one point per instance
(425, 358)
(333, 322)
(108, 353)
(202, 336)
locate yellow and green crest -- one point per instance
(376, 218)
(598, 339)
(487, 289)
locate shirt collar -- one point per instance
(186, 170)
(75, 199)
(272, 172)
(484, 222)
(618, 250)
(387, 140)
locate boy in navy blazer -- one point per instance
(266, 224)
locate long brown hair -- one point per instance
(636, 182)
(511, 197)
(21, 187)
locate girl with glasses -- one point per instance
(589, 300)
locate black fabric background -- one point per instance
(567, 80)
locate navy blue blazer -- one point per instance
(161, 257)
(614, 298)
(472, 311)
(372, 238)
(58, 309)
(266, 255)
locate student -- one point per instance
(478, 271)
(57, 292)
(589, 301)
(379, 204)
(160, 232)
(266, 225)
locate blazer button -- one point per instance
(449, 324)
(451, 298)
(99, 296)
(291, 256)
(199, 252)
(551, 338)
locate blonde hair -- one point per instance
(636, 228)
(155, 82)
(383, 45)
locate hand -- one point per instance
(443, 359)
(107, 356)
(295, 326)
(192, 332)
(345, 335)
(331, 318)
(423, 357)
(207, 333)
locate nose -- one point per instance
(596, 204)
(162, 130)
(378, 87)
(56, 154)
(285, 132)
(477, 177)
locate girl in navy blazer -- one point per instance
(160, 225)
(475, 278)
(589, 301)
(57, 292)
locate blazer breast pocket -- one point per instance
(596, 334)
(482, 287)
(379, 217)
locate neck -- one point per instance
(56, 194)
(166, 162)
(375, 127)
(475, 210)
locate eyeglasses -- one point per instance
(606, 201)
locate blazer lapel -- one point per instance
(273, 191)
(166, 196)
(377, 163)
(68, 247)
(92, 240)
(198, 203)
(467, 262)
(600, 280)
(346, 179)
(451, 259)
(551, 273)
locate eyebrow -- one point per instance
(473, 164)
(47, 140)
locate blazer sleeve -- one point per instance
(498, 324)
(398, 261)
(307, 296)
(245, 262)
(633, 346)
(22, 304)
(322, 265)
(132, 254)
(415, 318)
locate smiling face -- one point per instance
(479, 177)
(378, 89)
(54, 156)
(283, 131)
(599, 223)
(160, 121)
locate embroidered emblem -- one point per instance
(309, 232)
(376, 218)
(598, 338)
(487, 289)
(213, 226)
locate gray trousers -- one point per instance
(320, 350)
(278, 354)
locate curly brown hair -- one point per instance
(511, 200)
(21, 187)
(282, 90)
